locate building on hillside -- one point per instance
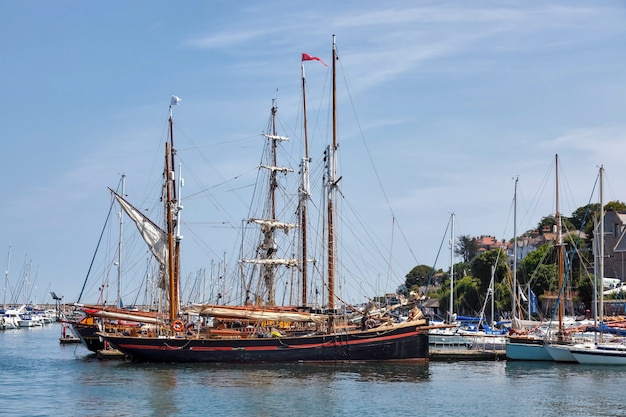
(486, 243)
(615, 245)
(533, 240)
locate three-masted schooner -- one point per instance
(312, 335)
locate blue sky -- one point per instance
(444, 103)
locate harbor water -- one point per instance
(41, 377)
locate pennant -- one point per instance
(533, 305)
(307, 57)
(175, 101)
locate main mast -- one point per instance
(332, 183)
(304, 194)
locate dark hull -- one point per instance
(398, 344)
(88, 335)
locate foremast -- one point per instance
(172, 217)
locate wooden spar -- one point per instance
(269, 270)
(331, 237)
(170, 235)
(171, 203)
(304, 197)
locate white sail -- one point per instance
(154, 236)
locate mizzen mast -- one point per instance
(332, 189)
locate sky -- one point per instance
(442, 104)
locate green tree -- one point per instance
(468, 296)
(582, 217)
(584, 286)
(549, 222)
(614, 206)
(466, 247)
(481, 267)
(539, 270)
(461, 269)
(418, 277)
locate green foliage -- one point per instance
(418, 277)
(591, 212)
(502, 292)
(614, 206)
(582, 217)
(549, 222)
(466, 247)
(461, 269)
(481, 267)
(468, 295)
(584, 285)
(539, 268)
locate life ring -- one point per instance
(178, 326)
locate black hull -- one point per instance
(397, 344)
(88, 335)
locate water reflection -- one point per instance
(263, 374)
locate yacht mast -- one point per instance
(6, 279)
(601, 248)
(559, 247)
(514, 251)
(451, 310)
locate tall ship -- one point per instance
(258, 329)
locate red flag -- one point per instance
(307, 57)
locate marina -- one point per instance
(121, 388)
(275, 243)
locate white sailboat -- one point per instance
(522, 345)
(601, 353)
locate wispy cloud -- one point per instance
(227, 38)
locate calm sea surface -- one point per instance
(39, 377)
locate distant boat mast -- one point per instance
(6, 278)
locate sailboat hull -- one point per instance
(396, 344)
(87, 334)
(601, 355)
(526, 349)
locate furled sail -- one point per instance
(116, 314)
(251, 313)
